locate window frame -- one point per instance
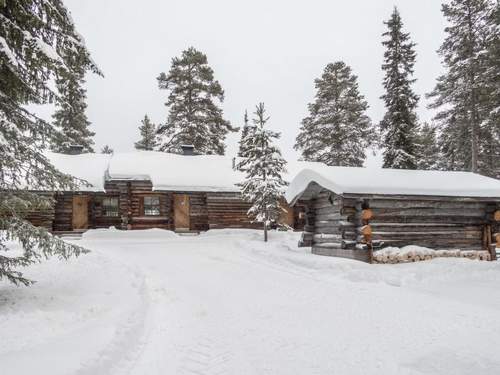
(151, 209)
(110, 210)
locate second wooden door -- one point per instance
(181, 211)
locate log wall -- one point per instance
(207, 210)
(228, 210)
(435, 222)
(334, 232)
(43, 217)
(353, 225)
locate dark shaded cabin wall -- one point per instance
(63, 216)
(198, 211)
(97, 218)
(299, 215)
(435, 222)
(131, 195)
(63, 219)
(228, 210)
(334, 232)
(43, 217)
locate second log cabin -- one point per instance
(352, 211)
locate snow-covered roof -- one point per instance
(88, 167)
(176, 172)
(353, 180)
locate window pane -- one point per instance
(152, 206)
(110, 207)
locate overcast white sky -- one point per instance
(260, 50)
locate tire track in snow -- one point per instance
(206, 357)
(128, 341)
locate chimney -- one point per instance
(188, 150)
(75, 149)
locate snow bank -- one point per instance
(117, 235)
(394, 181)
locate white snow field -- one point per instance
(151, 302)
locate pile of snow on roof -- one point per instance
(354, 180)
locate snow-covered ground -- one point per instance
(151, 302)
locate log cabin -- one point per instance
(352, 212)
(147, 189)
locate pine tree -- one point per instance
(149, 139)
(399, 126)
(490, 135)
(195, 116)
(337, 130)
(38, 46)
(263, 166)
(70, 116)
(428, 148)
(106, 150)
(461, 93)
(247, 128)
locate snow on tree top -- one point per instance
(355, 180)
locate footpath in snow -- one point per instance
(224, 302)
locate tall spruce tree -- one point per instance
(490, 153)
(149, 138)
(70, 117)
(195, 116)
(263, 166)
(244, 134)
(337, 130)
(38, 45)
(428, 148)
(399, 127)
(462, 92)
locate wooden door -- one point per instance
(80, 212)
(181, 211)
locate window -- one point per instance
(152, 206)
(110, 207)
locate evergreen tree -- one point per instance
(490, 135)
(454, 143)
(462, 92)
(195, 116)
(70, 117)
(263, 166)
(428, 148)
(247, 128)
(337, 130)
(149, 139)
(106, 150)
(38, 46)
(399, 126)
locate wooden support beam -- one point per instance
(496, 215)
(367, 214)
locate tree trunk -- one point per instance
(265, 230)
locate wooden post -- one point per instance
(496, 215)
(366, 215)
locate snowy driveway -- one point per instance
(150, 302)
